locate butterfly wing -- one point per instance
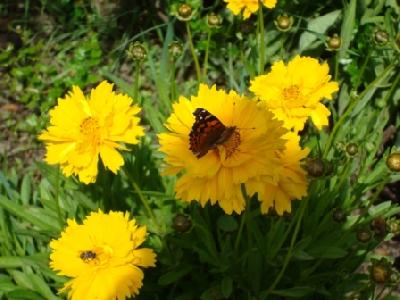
(207, 132)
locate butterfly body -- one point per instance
(207, 132)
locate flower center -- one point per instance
(90, 128)
(291, 93)
(231, 144)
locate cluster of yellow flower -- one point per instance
(221, 143)
(243, 141)
(217, 140)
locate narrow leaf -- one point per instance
(317, 27)
(295, 292)
(174, 275)
(226, 287)
(346, 32)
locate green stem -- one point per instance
(392, 90)
(290, 251)
(336, 67)
(362, 70)
(205, 64)
(232, 82)
(352, 105)
(317, 136)
(192, 50)
(57, 195)
(146, 205)
(282, 47)
(244, 216)
(261, 41)
(173, 83)
(136, 82)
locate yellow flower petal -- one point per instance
(293, 92)
(111, 158)
(101, 263)
(290, 183)
(320, 116)
(144, 257)
(247, 7)
(247, 154)
(82, 130)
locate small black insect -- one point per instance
(87, 255)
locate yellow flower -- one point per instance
(291, 181)
(231, 141)
(82, 129)
(293, 92)
(248, 6)
(102, 257)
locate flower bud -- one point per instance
(246, 28)
(339, 215)
(136, 51)
(363, 235)
(380, 271)
(381, 37)
(352, 149)
(214, 20)
(378, 225)
(334, 42)
(393, 162)
(393, 226)
(315, 167)
(284, 23)
(185, 12)
(175, 49)
(181, 223)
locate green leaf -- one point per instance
(227, 223)
(346, 33)
(26, 189)
(124, 86)
(4, 183)
(7, 286)
(21, 279)
(226, 287)
(379, 209)
(41, 287)
(316, 29)
(295, 292)
(327, 252)
(14, 262)
(302, 255)
(37, 219)
(174, 275)
(370, 90)
(255, 269)
(392, 298)
(51, 173)
(24, 294)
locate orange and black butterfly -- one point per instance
(207, 132)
